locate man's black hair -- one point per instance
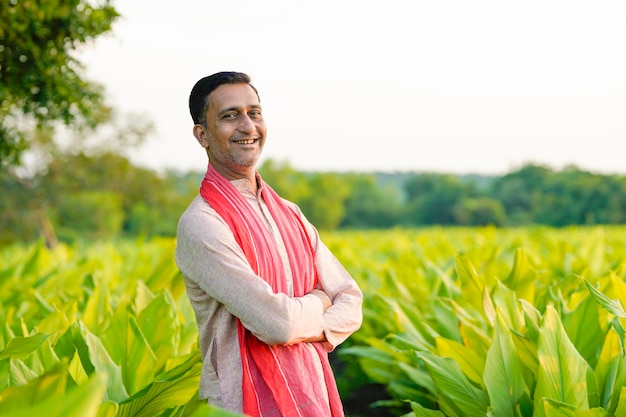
(199, 97)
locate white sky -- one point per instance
(457, 86)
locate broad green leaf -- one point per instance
(447, 322)
(621, 405)
(583, 328)
(76, 370)
(5, 366)
(81, 401)
(378, 360)
(532, 318)
(200, 408)
(94, 359)
(471, 363)
(503, 372)
(488, 305)
(475, 338)
(45, 387)
(558, 409)
(107, 409)
(472, 286)
(506, 303)
(562, 374)
(421, 411)
(172, 389)
(129, 348)
(54, 324)
(159, 325)
(19, 374)
(610, 371)
(612, 306)
(43, 359)
(144, 296)
(418, 376)
(456, 392)
(98, 308)
(20, 347)
(407, 390)
(522, 277)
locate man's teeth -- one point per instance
(245, 142)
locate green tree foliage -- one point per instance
(321, 196)
(520, 192)
(151, 203)
(370, 204)
(102, 195)
(433, 197)
(325, 207)
(285, 180)
(480, 211)
(40, 79)
(91, 214)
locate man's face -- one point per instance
(235, 130)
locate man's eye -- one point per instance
(229, 115)
(255, 114)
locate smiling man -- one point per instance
(270, 299)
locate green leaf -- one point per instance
(94, 358)
(610, 371)
(18, 373)
(159, 325)
(456, 392)
(503, 371)
(562, 374)
(558, 409)
(621, 405)
(51, 385)
(583, 328)
(76, 370)
(172, 389)
(21, 347)
(471, 363)
(522, 277)
(98, 308)
(130, 349)
(421, 411)
(472, 286)
(612, 306)
(199, 408)
(81, 401)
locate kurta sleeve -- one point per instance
(207, 254)
(345, 315)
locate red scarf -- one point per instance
(275, 378)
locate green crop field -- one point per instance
(457, 322)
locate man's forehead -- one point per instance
(233, 95)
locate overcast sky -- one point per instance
(455, 86)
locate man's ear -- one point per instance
(201, 135)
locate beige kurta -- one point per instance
(221, 286)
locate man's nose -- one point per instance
(246, 124)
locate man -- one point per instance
(269, 297)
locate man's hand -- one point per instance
(326, 302)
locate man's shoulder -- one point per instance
(198, 212)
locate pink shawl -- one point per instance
(277, 380)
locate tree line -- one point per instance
(103, 195)
(63, 174)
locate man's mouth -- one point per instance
(245, 141)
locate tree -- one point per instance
(520, 192)
(370, 204)
(433, 197)
(285, 180)
(479, 211)
(40, 80)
